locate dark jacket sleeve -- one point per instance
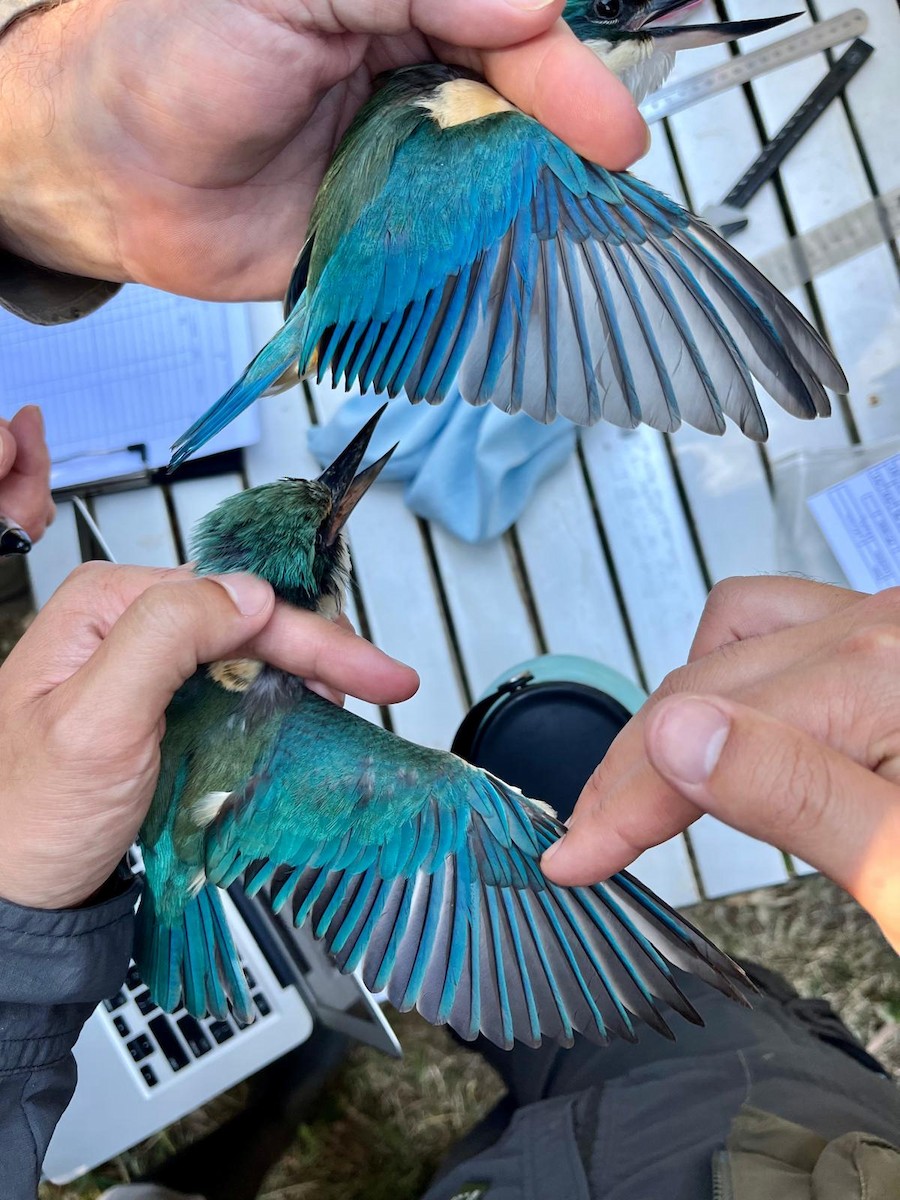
(55, 968)
(35, 293)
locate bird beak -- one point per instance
(690, 37)
(346, 487)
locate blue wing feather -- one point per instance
(430, 884)
(384, 297)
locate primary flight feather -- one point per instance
(456, 241)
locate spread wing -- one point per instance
(423, 872)
(495, 257)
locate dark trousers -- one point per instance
(642, 1122)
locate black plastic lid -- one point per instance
(545, 738)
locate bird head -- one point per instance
(628, 37)
(291, 532)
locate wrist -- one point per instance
(55, 880)
(52, 208)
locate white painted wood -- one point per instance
(729, 861)
(137, 528)
(194, 498)
(654, 556)
(569, 576)
(666, 870)
(55, 555)
(492, 625)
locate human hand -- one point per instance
(181, 145)
(84, 693)
(785, 724)
(25, 472)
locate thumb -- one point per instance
(160, 640)
(477, 23)
(774, 782)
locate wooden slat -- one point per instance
(569, 576)
(487, 609)
(55, 555)
(137, 528)
(655, 559)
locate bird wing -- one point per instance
(495, 256)
(491, 255)
(423, 871)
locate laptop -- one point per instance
(140, 1069)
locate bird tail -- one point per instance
(191, 960)
(266, 372)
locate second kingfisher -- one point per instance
(456, 241)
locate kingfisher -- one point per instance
(456, 245)
(411, 865)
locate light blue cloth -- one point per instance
(471, 469)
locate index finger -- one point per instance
(741, 608)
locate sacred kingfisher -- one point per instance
(410, 864)
(456, 241)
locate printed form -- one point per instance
(860, 519)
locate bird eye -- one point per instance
(606, 10)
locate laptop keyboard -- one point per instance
(161, 1044)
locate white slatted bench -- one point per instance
(614, 557)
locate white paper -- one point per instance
(118, 387)
(860, 519)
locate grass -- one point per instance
(383, 1126)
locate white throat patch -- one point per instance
(639, 63)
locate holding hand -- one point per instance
(83, 699)
(785, 724)
(181, 144)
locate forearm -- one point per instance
(55, 967)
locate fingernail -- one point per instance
(551, 850)
(249, 594)
(688, 739)
(38, 416)
(530, 5)
(648, 142)
(326, 692)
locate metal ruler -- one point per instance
(803, 258)
(745, 67)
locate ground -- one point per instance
(384, 1125)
